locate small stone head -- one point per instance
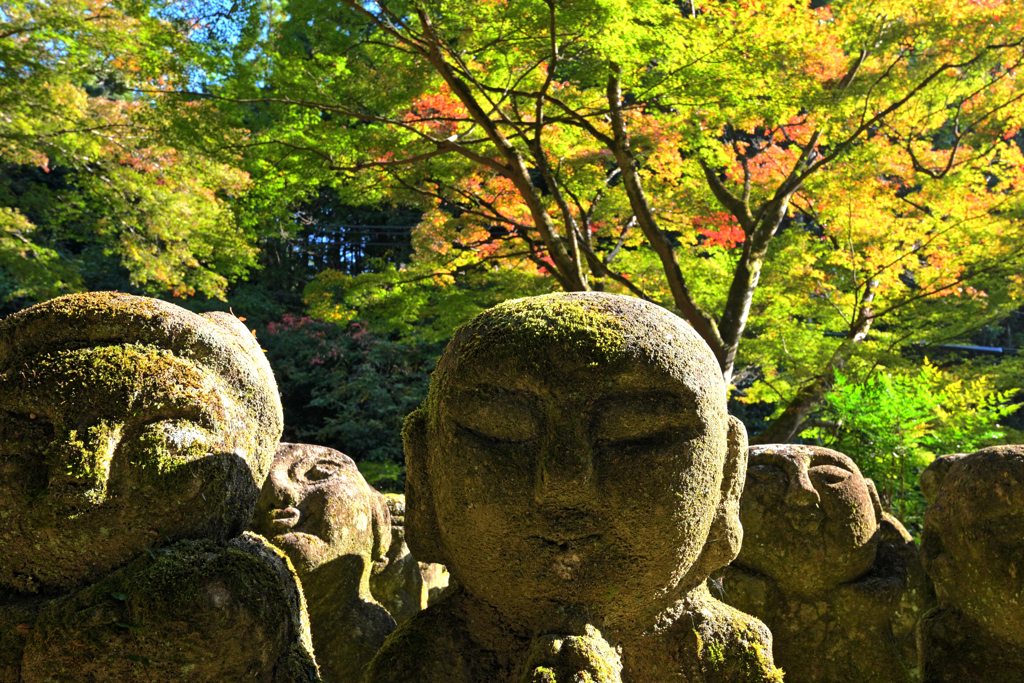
(316, 507)
(973, 538)
(125, 423)
(810, 518)
(575, 450)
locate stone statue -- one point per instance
(836, 579)
(318, 509)
(575, 469)
(135, 438)
(402, 584)
(973, 550)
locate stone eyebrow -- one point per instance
(486, 391)
(661, 401)
(772, 458)
(819, 459)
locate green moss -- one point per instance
(194, 611)
(565, 329)
(190, 410)
(523, 325)
(543, 674)
(716, 655)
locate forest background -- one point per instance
(828, 192)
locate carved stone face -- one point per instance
(973, 540)
(316, 507)
(135, 432)
(809, 518)
(571, 468)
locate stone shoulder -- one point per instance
(432, 647)
(160, 613)
(732, 646)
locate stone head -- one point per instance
(125, 423)
(575, 450)
(316, 507)
(932, 476)
(973, 539)
(810, 518)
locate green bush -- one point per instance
(349, 389)
(893, 426)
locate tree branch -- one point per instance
(702, 322)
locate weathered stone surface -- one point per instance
(973, 550)
(837, 580)
(125, 423)
(403, 585)
(931, 478)
(585, 657)
(574, 457)
(318, 509)
(18, 614)
(135, 438)
(193, 611)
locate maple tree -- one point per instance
(119, 182)
(811, 188)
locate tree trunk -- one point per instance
(702, 323)
(515, 167)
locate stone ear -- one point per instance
(734, 477)
(726, 534)
(876, 500)
(421, 532)
(381, 516)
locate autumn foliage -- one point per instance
(812, 188)
(816, 188)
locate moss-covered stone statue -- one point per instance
(973, 550)
(134, 438)
(837, 580)
(402, 584)
(575, 469)
(318, 509)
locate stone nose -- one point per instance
(279, 491)
(801, 491)
(565, 468)
(79, 463)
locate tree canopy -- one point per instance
(813, 188)
(97, 169)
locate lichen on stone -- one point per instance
(573, 465)
(195, 610)
(126, 423)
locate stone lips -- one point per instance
(316, 521)
(600, 334)
(837, 580)
(317, 508)
(811, 528)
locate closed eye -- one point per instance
(324, 469)
(830, 474)
(181, 438)
(663, 437)
(766, 473)
(496, 435)
(495, 415)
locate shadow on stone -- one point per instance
(837, 580)
(317, 508)
(972, 546)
